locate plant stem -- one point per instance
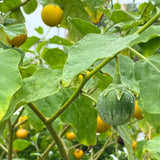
(88, 96)
(45, 153)
(4, 148)
(58, 141)
(74, 146)
(17, 7)
(144, 58)
(117, 77)
(10, 140)
(53, 133)
(148, 23)
(76, 93)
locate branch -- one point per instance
(76, 93)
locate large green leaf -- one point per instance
(153, 146)
(82, 116)
(123, 131)
(149, 83)
(10, 80)
(92, 47)
(84, 27)
(42, 83)
(127, 76)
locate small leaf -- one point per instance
(60, 40)
(39, 30)
(83, 27)
(21, 144)
(30, 6)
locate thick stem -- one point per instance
(10, 148)
(76, 93)
(148, 23)
(53, 133)
(117, 77)
(45, 153)
(58, 141)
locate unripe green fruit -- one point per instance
(115, 105)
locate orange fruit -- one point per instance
(21, 119)
(52, 15)
(70, 135)
(137, 112)
(22, 133)
(78, 153)
(101, 126)
(134, 143)
(16, 150)
(18, 40)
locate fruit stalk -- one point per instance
(117, 77)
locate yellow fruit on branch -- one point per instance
(22, 133)
(101, 126)
(134, 143)
(70, 136)
(52, 15)
(18, 40)
(137, 112)
(78, 153)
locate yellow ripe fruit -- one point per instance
(80, 77)
(101, 126)
(22, 133)
(18, 40)
(16, 150)
(70, 135)
(134, 143)
(21, 119)
(78, 153)
(52, 15)
(137, 112)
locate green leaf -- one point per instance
(83, 117)
(148, 78)
(30, 42)
(10, 80)
(55, 57)
(83, 27)
(27, 71)
(153, 146)
(123, 131)
(150, 33)
(127, 76)
(39, 30)
(14, 30)
(91, 8)
(8, 5)
(30, 6)
(118, 16)
(91, 48)
(21, 144)
(60, 40)
(42, 83)
(149, 48)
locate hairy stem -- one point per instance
(76, 93)
(88, 96)
(148, 23)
